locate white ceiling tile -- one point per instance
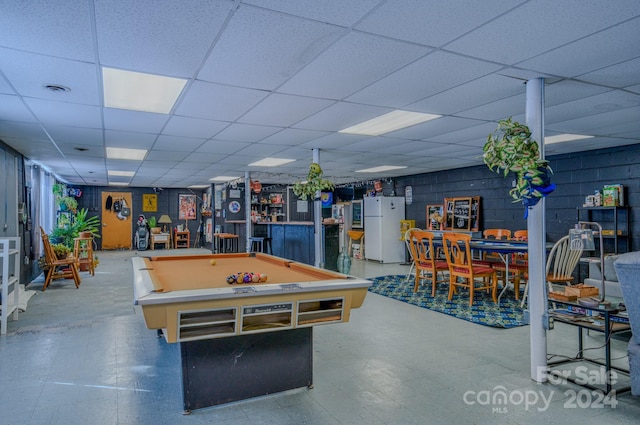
(193, 127)
(508, 107)
(436, 72)
(29, 73)
(469, 95)
(125, 120)
(341, 115)
(549, 25)
(590, 53)
(168, 38)
(218, 102)
(339, 12)
(12, 109)
(284, 110)
(420, 21)
(221, 147)
(62, 113)
(293, 137)
(620, 75)
(257, 39)
(160, 155)
(22, 130)
(246, 132)
(176, 143)
(128, 139)
(352, 63)
(81, 137)
(61, 29)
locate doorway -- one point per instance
(117, 227)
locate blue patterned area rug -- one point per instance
(484, 311)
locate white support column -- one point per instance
(537, 254)
(247, 210)
(317, 219)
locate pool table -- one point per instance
(270, 323)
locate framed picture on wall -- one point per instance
(186, 207)
(149, 202)
(435, 217)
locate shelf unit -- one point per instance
(269, 205)
(615, 222)
(10, 277)
(181, 239)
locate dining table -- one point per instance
(504, 248)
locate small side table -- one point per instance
(163, 238)
(83, 251)
(181, 239)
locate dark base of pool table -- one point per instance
(222, 370)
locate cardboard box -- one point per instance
(620, 189)
(581, 290)
(610, 197)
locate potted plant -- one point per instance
(511, 149)
(314, 183)
(153, 225)
(88, 225)
(61, 250)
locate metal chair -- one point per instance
(425, 261)
(462, 271)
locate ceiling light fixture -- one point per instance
(114, 173)
(271, 162)
(139, 91)
(199, 186)
(126, 153)
(389, 122)
(567, 137)
(118, 184)
(223, 178)
(381, 168)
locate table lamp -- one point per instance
(164, 219)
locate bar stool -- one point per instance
(356, 236)
(257, 244)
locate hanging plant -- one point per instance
(511, 149)
(314, 183)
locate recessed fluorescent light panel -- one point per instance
(567, 137)
(387, 123)
(199, 186)
(138, 91)
(118, 184)
(223, 178)
(381, 169)
(271, 162)
(125, 153)
(114, 173)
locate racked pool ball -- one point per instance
(263, 277)
(255, 277)
(247, 278)
(231, 279)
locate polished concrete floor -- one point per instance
(83, 356)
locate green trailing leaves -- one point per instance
(314, 183)
(511, 149)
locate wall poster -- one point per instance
(186, 207)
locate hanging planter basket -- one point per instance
(313, 185)
(511, 149)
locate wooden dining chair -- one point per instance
(561, 262)
(462, 270)
(412, 268)
(427, 264)
(55, 268)
(518, 264)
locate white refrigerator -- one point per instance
(382, 239)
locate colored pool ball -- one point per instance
(247, 278)
(263, 277)
(212, 262)
(255, 277)
(231, 279)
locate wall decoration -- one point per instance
(187, 207)
(458, 213)
(234, 207)
(435, 217)
(149, 202)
